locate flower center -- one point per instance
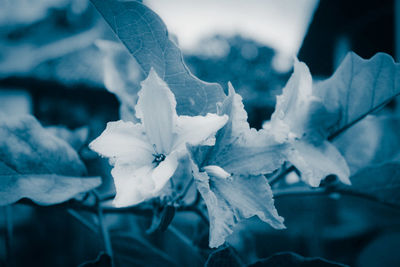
(158, 158)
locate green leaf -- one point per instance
(43, 189)
(146, 37)
(357, 88)
(224, 257)
(379, 183)
(290, 259)
(38, 165)
(374, 141)
(131, 251)
(75, 138)
(102, 260)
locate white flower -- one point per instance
(145, 155)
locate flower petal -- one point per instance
(133, 184)
(164, 171)
(234, 199)
(156, 109)
(197, 130)
(317, 162)
(125, 141)
(292, 106)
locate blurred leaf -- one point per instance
(380, 183)
(224, 257)
(374, 140)
(146, 37)
(102, 260)
(44, 189)
(357, 88)
(122, 76)
(75, 138)
(291, 259)
(38, 165)
(130, 251)
(27, 148)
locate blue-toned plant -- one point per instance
(179, 136)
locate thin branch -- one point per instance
(103, 228)
(323, 191)
(82, 220)
(8, 234)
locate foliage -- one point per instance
(183, 148)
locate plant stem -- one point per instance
(103, 228)
(82, 220)
(8, 234)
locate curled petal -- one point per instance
(292, 106)
(124, 141)
(197, 130)
(156, 109)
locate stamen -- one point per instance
(158, 158)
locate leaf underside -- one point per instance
(146, 37)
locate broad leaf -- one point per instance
(224, 257)
(290, 259)
(146, 37)
(43, 189)
(38, 165)
(380, 183)
(358, 87)
(102, 260)
(75, 138)
(374, 141)
(228, 175)
(131, 251)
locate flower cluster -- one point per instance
(228, 159)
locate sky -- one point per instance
(280, 24)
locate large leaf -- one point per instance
(132, 251)
(37, 165)
(357, 88)
(224, 257)
(379, 183)
(291, 259)
(146, 37)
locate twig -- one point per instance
(103, 228)
(8, 234)
(82, 220)
(321, 191)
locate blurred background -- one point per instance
(52, 66)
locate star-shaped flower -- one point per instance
(229, 175)
(145, 155)
(300, 121)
